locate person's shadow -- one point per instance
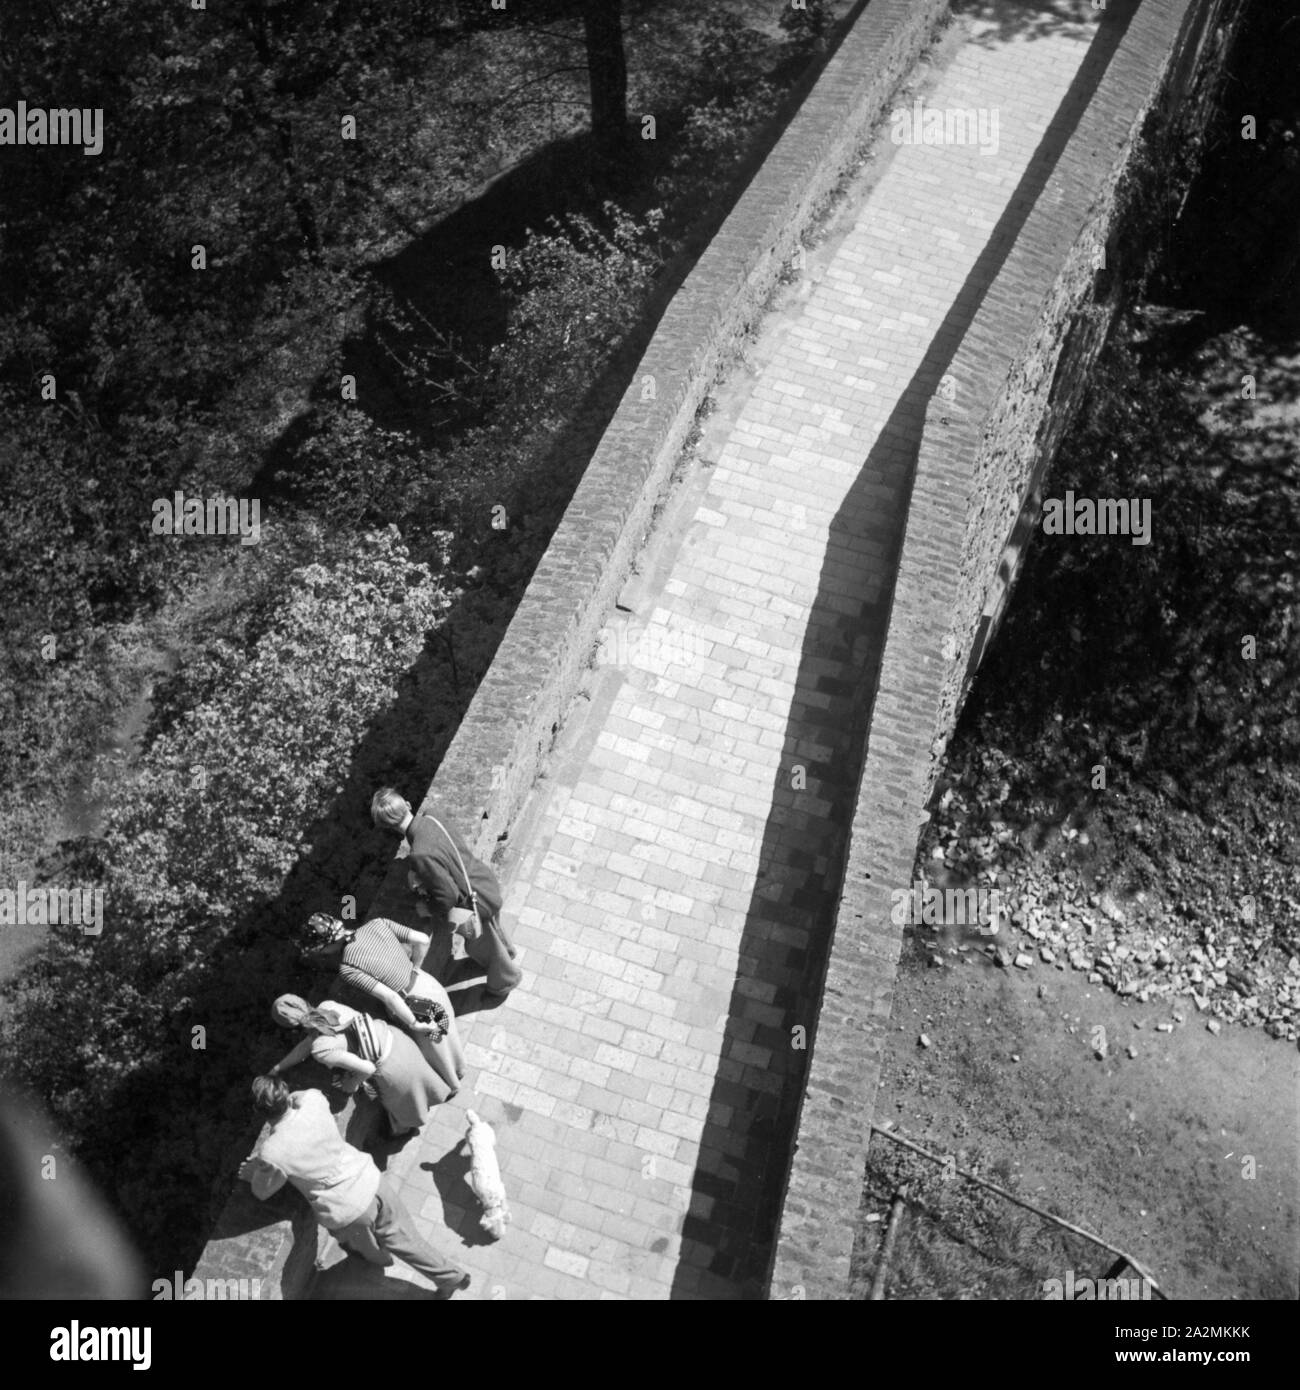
(471, 997)
(355, 1278)
(463, 972)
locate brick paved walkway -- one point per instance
(680, 864)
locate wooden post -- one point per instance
(896, 1209)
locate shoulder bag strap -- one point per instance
(495, 922)
(469, 887)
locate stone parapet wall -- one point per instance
(507, 732)
(1020, 372)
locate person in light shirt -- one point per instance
(348, 1194)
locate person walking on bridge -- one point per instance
(461, 889)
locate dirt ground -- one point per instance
(1151, 1152)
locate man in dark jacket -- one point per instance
(460, 888)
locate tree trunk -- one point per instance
(256, 15)
(607, 67)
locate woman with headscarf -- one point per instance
(366, 1049)
(382, 958)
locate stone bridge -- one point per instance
(703, 753)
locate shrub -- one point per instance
(196, 854)
(574, 290)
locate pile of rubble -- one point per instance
(1227, 970)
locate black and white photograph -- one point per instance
(651, 653)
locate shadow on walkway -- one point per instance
(355, 1278)
(747, 1143)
